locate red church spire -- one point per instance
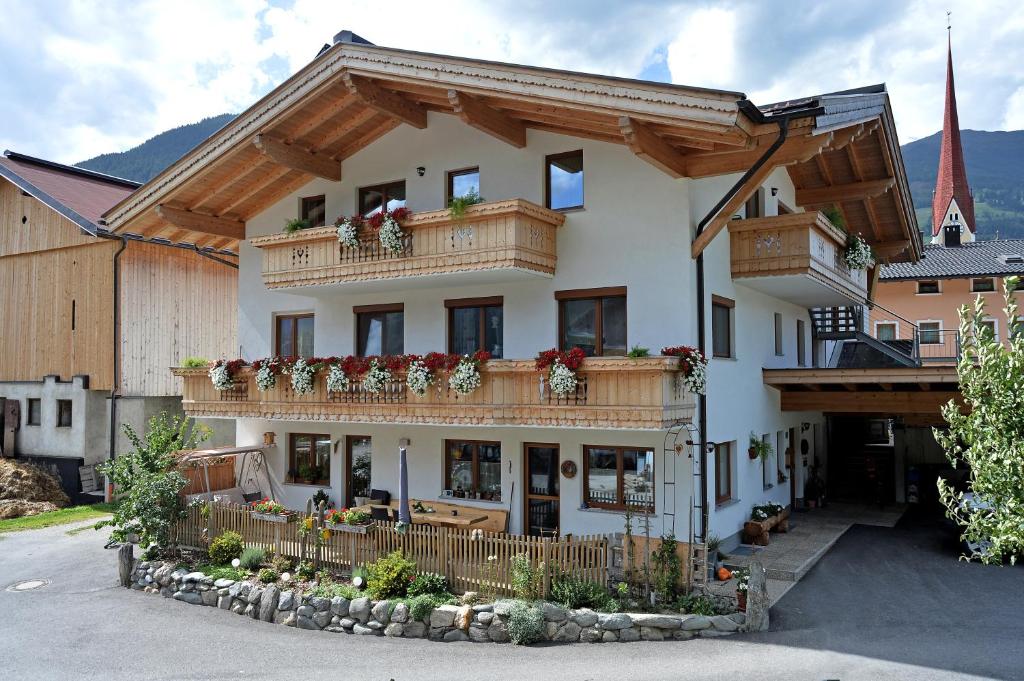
(952, 178)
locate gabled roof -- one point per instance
(78, 194)
(993, 258)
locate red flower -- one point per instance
(572, 359)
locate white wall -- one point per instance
(86, 436)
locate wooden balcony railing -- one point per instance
(511, 235)
(612, 393)
(801, 245)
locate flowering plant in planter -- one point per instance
(465, 377)
(562, 368)
(694, 366)
(348, 230)
(222, 373)
(267, 370)
(377, 376)
(858, 254)
(342, 372)
(419, 378)
(268, 506)
(765, 511)
(347, 516)
(389, 230)
(302, 371)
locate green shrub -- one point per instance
(195, 363)
(574, 592)
(636, 352)
(267, 575)
(304, 570)
(226, 547)
(389, 576)
(428, 583)
(420, 606)
(527, 581)
(525, 624)
(697, 605)
(295, 224)
(216, 572)
(281, 564)
(252, 558)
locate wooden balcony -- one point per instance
(796, 257)
(612, 393)
(503, 240)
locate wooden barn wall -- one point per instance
(29, 225)
(175, 304)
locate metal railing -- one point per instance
(939, 345)
(898, 333)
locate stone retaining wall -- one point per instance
(479, 623)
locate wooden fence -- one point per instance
(471, 560)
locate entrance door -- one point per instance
(540, 462)
(791, 461)
(358, 459)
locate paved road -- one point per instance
(884, 604)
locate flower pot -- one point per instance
(350, 529)
(741, 601)
(752, 453)
(274, 517)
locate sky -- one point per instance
(82, 78)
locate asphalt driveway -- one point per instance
(884, 604)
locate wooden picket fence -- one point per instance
(471, 560)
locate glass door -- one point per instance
(358, 456)
(542, 501)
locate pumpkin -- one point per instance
(724, 574)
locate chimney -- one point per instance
(347, 36)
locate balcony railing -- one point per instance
(511, 237)
(643, 393)
(798, 256)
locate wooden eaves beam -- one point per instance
(296, 158)
(854, 191)
(386, 101)
(199, 222)
(484, 118)
(651, 148)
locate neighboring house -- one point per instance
(618, 213)
(87, 315)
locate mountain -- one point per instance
(995, 170)
(143, 162)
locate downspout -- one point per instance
(213, 257)
(117, 350)
(702, 400)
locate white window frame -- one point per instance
(938, 282)
(919, 322)
(994, 289)
(995, 326)
(887, 322)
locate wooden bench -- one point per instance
(756, 531)
(497, 518)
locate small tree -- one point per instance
(146, 481)
(989, 438)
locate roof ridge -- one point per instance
(74, 170)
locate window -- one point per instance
(1017, 328)
(988, 328)
(778, 335)
(380, 329)
(462, 182)
(63, 413)
(475, 324)
(614, 477)
(752, 207)
(309, 459)
(472, 469)
(359, 455)
(723, 472)
(563, 180)
(984, 285)
(927, 287)
(593, 320)
(767, 467)
(388, 196)
(721, 326)
(294, 335)
(34, 413)
(313, 209)
(885, 331)
(930, 333)
(801, 344)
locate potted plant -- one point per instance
(295, 224)
(348, 520)
(742, 586)
(713, 546)
(268, 509)
(759, 449)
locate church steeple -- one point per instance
(952, 202)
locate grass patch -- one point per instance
(72, 514)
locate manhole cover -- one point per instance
(28, 585)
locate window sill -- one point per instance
(768, 487)
(573, 209)
(613, 511)
(726, 504)
(727, 359)
(459, 500)
(306, 484)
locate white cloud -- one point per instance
(704, 52)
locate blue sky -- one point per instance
(82, 78)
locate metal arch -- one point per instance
(674, 445)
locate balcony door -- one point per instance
(541, 463)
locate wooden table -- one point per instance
(437, 519)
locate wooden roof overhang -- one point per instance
(353, 94)
(891, 391)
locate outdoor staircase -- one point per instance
(855, 347)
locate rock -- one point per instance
(224, 602)
(168, 592)
(629, 635)
(553, 613)
(478, 633)
(291, 619)
(456, 635)
(360, 609)
(306, 611)
(306, 623)
(255, 593)
(696, 622)
(238, 606)
(209, 598)
(193, 577)
(583, 617)
(235, 590)
(437, 634)
(401, 613)
(683, 635)
(321, 604)
(394, 629)
(379, 611)
(713, 633)
(252, 611)
(189, 597)
(485, 618)
(322, 618)
(570, 631)
(609, 637)
(615, 620)
(656, 621)
(163, 575)
(502, 608)
(223, 583)
(738, 617)
(497, 632)
(268, 603)
(335, 630)
(339, 606)
(723, 623)
(652, 634)
(550, 629)
(137, 587)
(125, 563)
(286, 601)
(590, 635)
(244, 589)
(469, 598)
(443, 616)
(757, 599)
(483, 607)
(375, 625)
(364, 630)
(415, 630)
(348, 622)
(464, 617)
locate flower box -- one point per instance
(351, 529)
(274, 517)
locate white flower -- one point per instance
(391, 236)
(348, 234)
(466, 377)
(265, 378)
(562, 379)
(302, 377)
(858, 253)
(418, 378)
(220, 377)
(376, 378)
(337, 381)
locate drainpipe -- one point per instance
(702, 400)
(117, 353)
(213, 257)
